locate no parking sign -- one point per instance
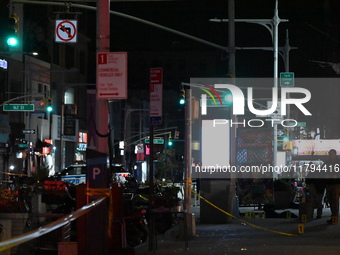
(66, 31)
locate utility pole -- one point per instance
(272, 26)
(103, 45)
(232, 73)
(97, 221)
(188, 154)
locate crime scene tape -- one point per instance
(12, 174)
(142, 197)
(103, 192)
(10, 243)
(243, 221)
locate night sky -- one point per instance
(313, 28)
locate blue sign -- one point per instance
(157, 120)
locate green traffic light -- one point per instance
(227, 98)
(170, 143)
(182, 101)
(12, 41)
(49, 108)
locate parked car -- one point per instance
(75, 174)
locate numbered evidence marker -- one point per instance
(262, 215)
(334, 219)
(304, 217)
(250, 215)
(301, 228)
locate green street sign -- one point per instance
(23, 145)
(155, 140)
(287, 79)
(18, 107)
(301, 124)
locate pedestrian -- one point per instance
(316, 186)
(331, 167)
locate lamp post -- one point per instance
(272, 26)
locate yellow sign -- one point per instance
(287, 146)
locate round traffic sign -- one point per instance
(66, 31)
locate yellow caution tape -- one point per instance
(12, 174)
(189, 181)
(142, 197)
(92, 192)
(248, 223)
(107, 193)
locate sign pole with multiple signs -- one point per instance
(156, 95)
(156, 98)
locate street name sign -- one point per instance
(155, 140)
(18, 107)
(301, 124)
(287, 79)
(111, 75)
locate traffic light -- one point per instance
(176, 135)
(13, 29)
(42, 104)
(227, 98)
(49, 107)
(182, 96)
(170, 141)
(46, 104)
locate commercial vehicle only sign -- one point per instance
(112, 75)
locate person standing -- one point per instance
(317, 186)
(331, 168)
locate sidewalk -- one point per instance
(242, 238)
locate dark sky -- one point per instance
(313, 27)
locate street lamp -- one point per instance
(272, 26)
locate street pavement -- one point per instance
(253, 236)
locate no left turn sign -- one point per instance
(66, 31)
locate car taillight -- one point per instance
(143, 211)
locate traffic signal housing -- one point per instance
(12, 31)
(170, 143)
(182, 96)
(49, 107)
(46, 104)
(228, 98)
